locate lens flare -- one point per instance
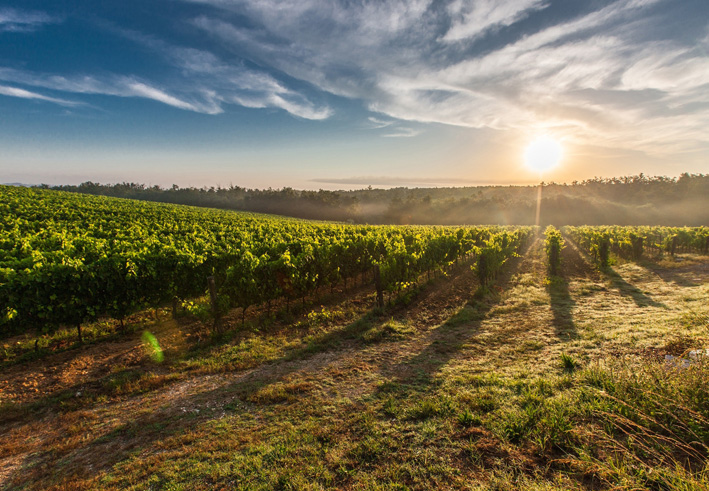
(152, 347)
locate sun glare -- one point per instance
(543, 154)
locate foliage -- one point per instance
(495, 251)
(553, 245)
(633, 243)
(68, 259)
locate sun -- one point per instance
(542, 154)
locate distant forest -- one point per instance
(633, 200)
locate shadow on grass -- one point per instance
(573, 266)
(626, 289)
(236, 395)
(684, 276)
(448, 339)
(182, 414)
(141, 428)
(562, 306)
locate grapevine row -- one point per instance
(635, 242)
(553, 244)
(67, 259)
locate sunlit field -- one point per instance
(444, 358)
(354, 245)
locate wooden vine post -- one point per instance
(213, 300)
(378, 285)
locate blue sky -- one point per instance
(341, 94)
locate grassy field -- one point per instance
(537, 383)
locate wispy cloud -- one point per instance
(628, 74)
(139, 89)
(394, 128)
(236, 84)
(414, 61)
(228, 86)
(403, 133)
(13, 20)
(377, 123)
(472, 18)
(205, 83)
(120, 86)
(26, 94)
(230, 83)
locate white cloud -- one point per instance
(402, 133)
(299, 108)
(377, 123)
(472, 18)
(604, 76)
(667, 68)
(26, 94)
(119, 86)
(224, 85)
(139, 89)
(415, 62)
(247, 87)
(206, 84)
(227, 83)
(13, 20)
(394, 129)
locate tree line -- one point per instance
(630, 200)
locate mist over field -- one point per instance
(633, 200)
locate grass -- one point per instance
(444, 391)
(27, 347)
(389, 330)
(655, 420)
(568, 363)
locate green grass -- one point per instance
(21, 348)
(389, 330)
(568, 363)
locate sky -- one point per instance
(342, 94)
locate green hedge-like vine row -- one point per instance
(633, 242)
(67, 259)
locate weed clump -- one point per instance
(568, 363)
(467, 419)
(391, 329)
(431, 407)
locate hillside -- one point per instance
(633, 200)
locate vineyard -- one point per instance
(291, 354)
(635, 242)
(69, 260)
